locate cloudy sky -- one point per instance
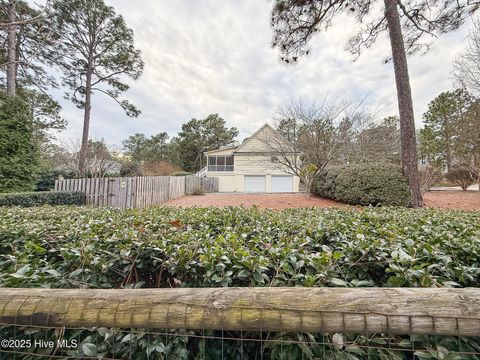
(211, 56)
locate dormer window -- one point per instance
(220, 163)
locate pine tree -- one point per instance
(96, 50)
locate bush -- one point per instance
(18, 152)
(131, 168)
(46, 180)
(181, 173)
(69, 247)
(460, 177)
(159, 168)
(29, 199)
(365, 184)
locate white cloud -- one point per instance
(206, 57)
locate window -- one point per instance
(220, 163)
(274, 159)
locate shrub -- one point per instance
(181, 173)
(365, 184)
(69, 247)
(131, 168)
(46, 179)
(18, 152)
(460, 177)
(159, 168)
(29, 199)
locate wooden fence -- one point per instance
(194, 183)
(421, 311)
(136, 192)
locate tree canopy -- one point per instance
(140, 148)
(198, 136)
(444, 119)
(295, 23)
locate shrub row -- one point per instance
(70, 247)
(364, 184)
(29, 199)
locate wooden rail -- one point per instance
(350, 310)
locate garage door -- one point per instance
(282, 183)
(254, 183)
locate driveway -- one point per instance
(266, 201)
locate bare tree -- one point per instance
(467, 64)
(99, 161)
(429, 176)
(319, 132)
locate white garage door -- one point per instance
(282, 183)
(254, 183)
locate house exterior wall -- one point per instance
(251, 158)
(250, 164)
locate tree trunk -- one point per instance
(405, 104)
(12, 49)
(86, 122)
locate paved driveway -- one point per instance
(270, 201)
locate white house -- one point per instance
(252, 165)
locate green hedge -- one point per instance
(365, 184)
(71, 247)
(28, 199)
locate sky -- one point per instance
(212, 56)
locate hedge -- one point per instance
(28, 199)
(71, 247)
(376, 184)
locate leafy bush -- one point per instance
(46, 179)
(70, 247)
(460, 177)
(18, 151)
(181, 173)
(29, 199)
(365, 184)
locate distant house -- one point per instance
(251, 166)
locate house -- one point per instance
(252, 166)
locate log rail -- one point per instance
(419, 311)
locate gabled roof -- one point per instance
(255, 134)
(236, 148)
(222, 149)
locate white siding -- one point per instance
(252, 158)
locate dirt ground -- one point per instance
(467, 200)
(264, 201)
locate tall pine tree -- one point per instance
(96, 50)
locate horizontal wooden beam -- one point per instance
(350, 310)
